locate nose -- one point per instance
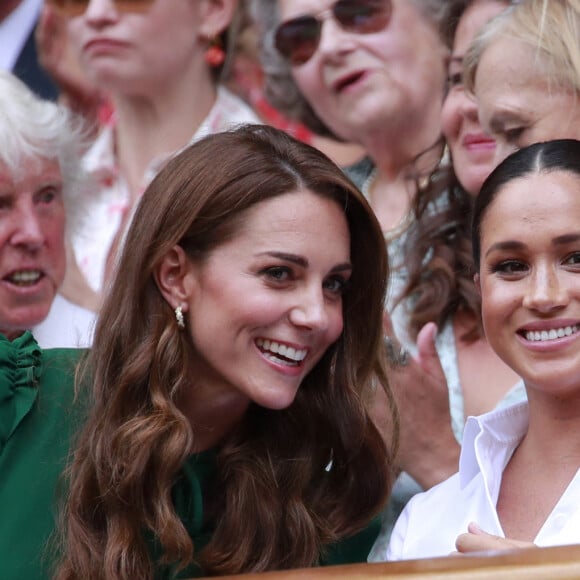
(334, 41)
(27, 230)
(546, 291)
(469, 107)
(311, 310)
(101, 11)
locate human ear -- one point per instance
(477, 282)
(175, 278)
(216, 16)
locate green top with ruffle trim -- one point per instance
(188, 497)
(37, 422)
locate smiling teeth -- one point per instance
(543, 335)
(25, 277)
(288, 352)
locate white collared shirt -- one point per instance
(15, 30)
(66, 326)
(431, 521)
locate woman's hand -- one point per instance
(476, 540)
(428, 449)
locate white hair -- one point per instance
(33, 130)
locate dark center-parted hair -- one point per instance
(546, 157)
(278, 505)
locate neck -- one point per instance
(395, 148)
(154, 127)
(213, 415)
(391, 198)
(554, 428)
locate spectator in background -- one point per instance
(40, 185)
(525, 73)
(370, 72)
(159, 63)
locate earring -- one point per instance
(215, 55)
(179, 317)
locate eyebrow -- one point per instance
(501, 118)
(514, 245)
(566, 239)
(303, 262)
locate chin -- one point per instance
(278, 403)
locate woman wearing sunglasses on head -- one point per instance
(159, 62)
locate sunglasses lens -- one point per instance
(78, 7)
(362, 16)
(69, 7)
(296, 40)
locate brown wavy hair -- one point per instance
(438, 256)
(278, 506)
(438, 253)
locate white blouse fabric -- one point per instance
(431, 522)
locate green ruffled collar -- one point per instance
(20, 372)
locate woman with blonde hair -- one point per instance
(524, 70)
(234, 360)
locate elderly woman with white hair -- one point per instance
(39, 175)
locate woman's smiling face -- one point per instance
(267, 303)
(529, 279)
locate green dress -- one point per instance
(36, 427)
(38, 420)
(188, 500)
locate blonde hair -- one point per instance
(550, 27)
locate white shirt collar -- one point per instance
(495, 434)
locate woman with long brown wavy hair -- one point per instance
(235, 356)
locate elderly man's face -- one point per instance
(32, 249)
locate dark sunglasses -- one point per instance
(78, 7)
(297, 39)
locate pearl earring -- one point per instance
(179, 317)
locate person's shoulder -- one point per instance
(59, 369)
(64, 357)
